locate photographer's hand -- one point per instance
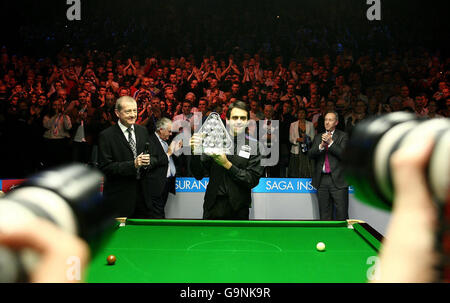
(408, 253)
(55, 247)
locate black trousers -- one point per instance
(141, 210)
(327, 193)
(81, 152)
(222, 210)
(57, 152)
(159, 202)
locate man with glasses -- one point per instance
(122, 160)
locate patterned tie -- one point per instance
(131, 141)
(327, 162)
(133, 149)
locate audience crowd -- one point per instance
(53, 107)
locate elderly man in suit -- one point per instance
(162, 168)
(122, 160)
(328, 177)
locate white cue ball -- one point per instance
(320, 246)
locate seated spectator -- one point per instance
(420, 105)
(255, 111)
(358, 114)
(432, 110)
(406, 100)
(291, 94)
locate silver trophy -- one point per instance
(215, 137)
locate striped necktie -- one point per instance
(131, 141)
(133, 149)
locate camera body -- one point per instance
(374, 140)
(67, 196)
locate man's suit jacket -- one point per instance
(239, 180)
(335, 151)
(116, 161)
(157, 171)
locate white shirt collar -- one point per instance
(124, 128)
(159, 138)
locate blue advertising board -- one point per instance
(266, 185)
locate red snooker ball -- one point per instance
(111, 259)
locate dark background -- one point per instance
(165, 27)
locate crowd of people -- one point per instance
(52, 108)
(44, 103)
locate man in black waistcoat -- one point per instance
(231, 177)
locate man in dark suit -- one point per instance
(231, 177)
(162, 168)
(328, 177)
(123, 162)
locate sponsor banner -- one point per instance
(192, 185)
(266, 185)
(284, 185)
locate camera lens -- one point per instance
(67, 196)
(373, 141)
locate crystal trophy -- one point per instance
(216, 139)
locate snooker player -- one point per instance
(232, 177)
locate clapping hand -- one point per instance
(174, 147)
(327, 138)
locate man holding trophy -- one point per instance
(231, 159)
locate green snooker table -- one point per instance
(202, 251)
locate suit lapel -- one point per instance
(335, 136)
(138, 140)
(157, 143)
(121, 138)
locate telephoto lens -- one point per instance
(67, 196)
(374, 140)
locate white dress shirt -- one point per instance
(124, 130)
(332, 132)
